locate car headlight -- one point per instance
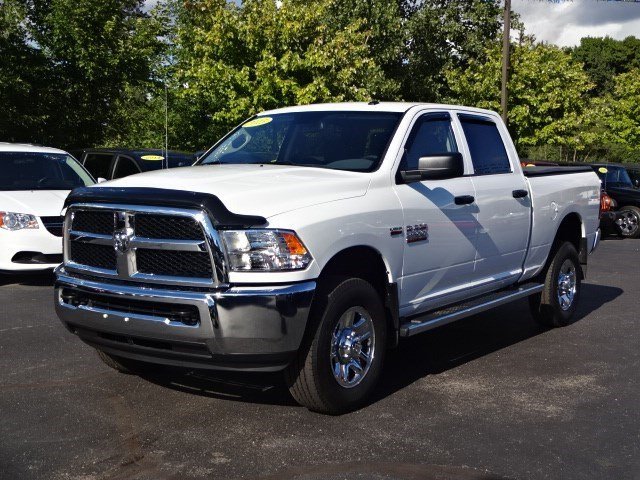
(264, 250)
(17, 221)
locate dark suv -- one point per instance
(110, 163)
(634, 173)
(618, 184)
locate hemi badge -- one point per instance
(395, 231)
(417, 233)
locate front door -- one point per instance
(439, 234)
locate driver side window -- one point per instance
(431, 134)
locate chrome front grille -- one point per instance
(177, 264)
(163, 226)
(145, 244)
(93, 255)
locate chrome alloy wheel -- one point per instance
(627, 222)
(352, 347)
(567, 284)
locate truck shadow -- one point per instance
(431, 353)
(35, 279)
(453, 345)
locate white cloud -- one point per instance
(565, 23)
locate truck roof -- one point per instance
(26, 147)
(370, 107)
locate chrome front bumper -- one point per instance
(238, 328)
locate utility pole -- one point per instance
(166, 125)
(505, 57)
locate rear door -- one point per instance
(502, 199)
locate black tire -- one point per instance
(126, 365)
(311, 377)
(628, 222)
(550, 307)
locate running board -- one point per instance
(437, 318)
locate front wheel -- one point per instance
(558, 301)
(339, 365)
(628, 222)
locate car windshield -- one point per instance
(41, 171)
(610, 175)
(354, 141)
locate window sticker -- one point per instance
(603, 170)
(152, 157)
(256, 122)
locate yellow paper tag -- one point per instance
(152, 157)
(603, 170)
(256, 122)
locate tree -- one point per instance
(547, 90)
(24, 75)
(385, 22)
(443, 35)
(621, 117)
(89, 52)
(235, 60)
(604, 58)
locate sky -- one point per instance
(564, 23)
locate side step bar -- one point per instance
(427, 321)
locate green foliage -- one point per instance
(77, 73)
(604, 58)
(233, 61)
(547, 92)
(88, 53)
(23, 77)
(443, 35)
(620, 120)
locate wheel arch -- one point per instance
(571, 229)
(366, 262)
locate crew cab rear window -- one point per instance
(488, 154)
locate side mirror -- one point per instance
(101, 179)
(438, 166)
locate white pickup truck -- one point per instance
(311, 239)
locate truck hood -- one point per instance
(264, 190)
(42, 203)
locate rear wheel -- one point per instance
(628, 222)
(339, 365)
(558, 301)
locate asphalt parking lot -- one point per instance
(491, 397)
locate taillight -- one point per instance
(605, 202)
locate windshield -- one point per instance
(352, 141)
(613, 175)
(41, 171)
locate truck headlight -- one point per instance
(17, 221)
(264, 250)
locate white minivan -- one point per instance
(34, 182)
